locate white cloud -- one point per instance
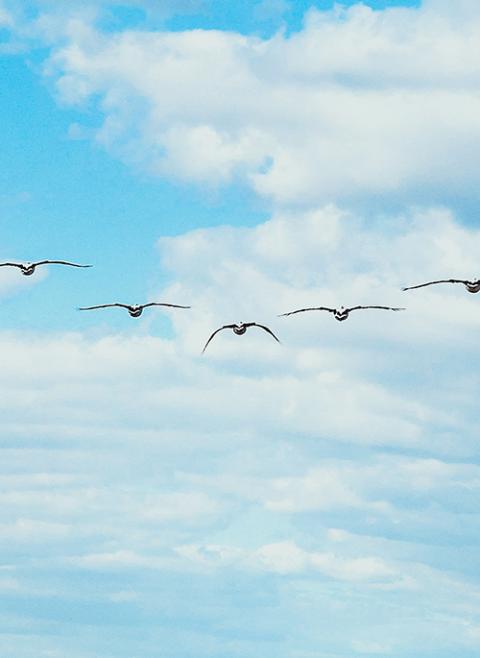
(371, 647)
(191, 507)
(288, 558)
(322, 469)
(6, 19)
(88, 391)
(383, 490)
(32, 531)
(11, 280)
(116, 560)
(357, 102)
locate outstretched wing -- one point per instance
(385, 308)
(313, 308)
(10, 265)
(59, 262)
(432, 283)
(262, 326)
(225, 326)
(164, 304)
(91, 308)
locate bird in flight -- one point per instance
(239, 330)
(27, 269)
(471, 286)
(341, 313)
(135, 310)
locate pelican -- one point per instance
(135, 310)
(341, 313)
(27, 269)
(239, 329)
(471, 286)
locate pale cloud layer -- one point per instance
(358, 102)
(334, 466)
(6, 19)
(12, 281)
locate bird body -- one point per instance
(472, 286)
(135, 310)
(341, 313)
(239, 329)
(27, 269)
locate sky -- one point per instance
(316, 498)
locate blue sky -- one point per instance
(314, 499)
(85, 200)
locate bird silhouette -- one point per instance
(27, 269)
(239, 329)
(471, 286)
(135, 310)
(341, 313)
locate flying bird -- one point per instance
(341, 313)
(239, 330)
(471, 286)
(27, 269)
(135, 310)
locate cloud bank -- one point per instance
(332, 467)
(358, 102)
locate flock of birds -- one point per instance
(135, 310)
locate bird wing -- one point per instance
(59, 262)
(431, 283)
(262, 326)
(164, 304)
(225, 326)
(10, 265)
(91, 308)
(385, 308)
(313, 308)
